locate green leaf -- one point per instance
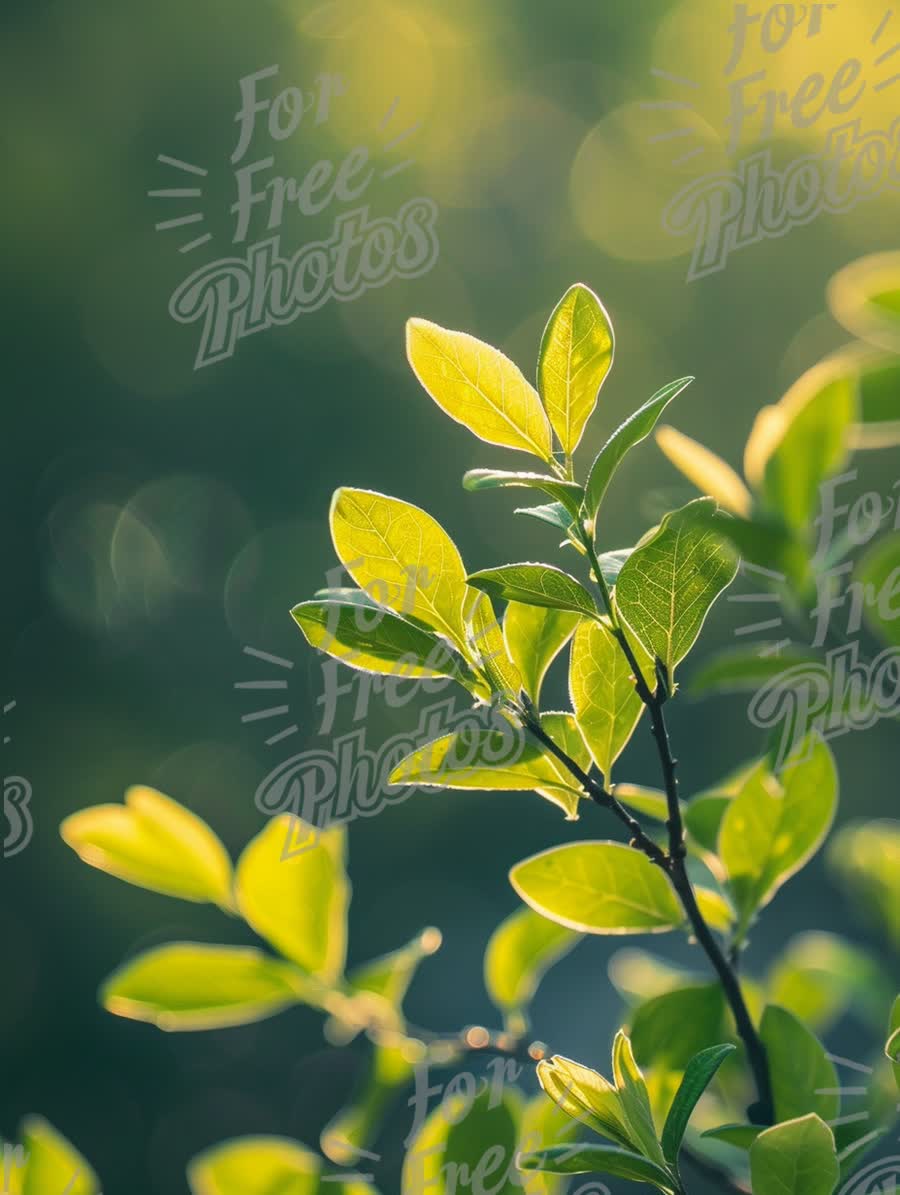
(576, 355)
(635, 1100)
(709, 473)
(862, 297)
(402, 557)
(464, 1143)
(819, 976)
(795, 1158)
(771, 829)
(602, 690)
(671, 1028)
(553, 513)
(153, 842)
(598, 1159)
(535, 585)
(487, 646)
(263, 1166)
(703, 819)
(520, 952)
(717, 911)
(378, 641)
(879, 399)
(190, 986)
(803, 1078)
(598, 888)
(611, 563)
(635, 428)
(747, 668)
(568, 493)
(648, 801)
(892, 1049)
(586, 1096)
(866, 858)
(53, 1166)
(535, 635)
(878, 574)
(741, 1136)
(543, 1123)
(697, 1078)
(669, 583)
(764, 541)
(637, 975)
(297, 900)
(496, 760)
(478, 387)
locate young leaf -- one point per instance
(635, 1100)
(611, 563)
(534, 636)
(153, 842)
(576, 355)
(598, 1159)
(568, 493)
(586, 1096)
(255, 1166)
(487, 646)
(709, 473)
(478, 387)
(535, 585)
(803, 1078)
(598, 888)
(521, 950)
(601, 686)
(669, 583)
(378, 641)
(635, 428)
(498, 760)
(696, 1079)
(403, 556)
(795, 1158)
(189, 986)
(53, 1164)
(553, 513)
(297, 901)
(770, 831)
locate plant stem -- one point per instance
(675, 860)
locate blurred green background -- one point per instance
(158, 518)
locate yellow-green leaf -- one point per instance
(795, 1158)
(576, 355)
(257, 1166)
(521, 950)
(709, 473)
(189, 986)
(535, 585)
(153, 842)
(864, 298)
(635, 1099)
(669, 583)
(487, 646)
(297, 901)
(534, 636)
(586, 1096)
(602, 689)
(866, 857)
(478, 387)
(803, 1077)
(543, 1124)
(598, 888)
(53, 1166)
(402, 557)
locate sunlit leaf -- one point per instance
(535, 585)
(586, 1096)
(639, 975)
(635, 1099)
(258, 1166)
(297, 900)
(154, 842)
(52, 1164)
(520, 952)
(377, 641)
(635, 428)
(803, 1077)
(602, 689)
(189, 986)
(487, 646)
(479, 387)
(543, 1124)
(795, 1158)
(717, 912)
(863, 297)
(699, 1074)
(598, 888)
(534, 636)
(648, 801)
(669, 583)
(568, 493)
(576, 355)
(598, 1159)
(709, 473)
(402, 557)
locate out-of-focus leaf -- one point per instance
(709, 473)
(648, 801)
(262, 1166)
(763, 541)
(598, 888)
(52, 1164)
(534, 636)
(576, 355)
(878, 573)
(635, 428)
(863, 297)
(190, 986)
(703, 819)
(746, 668)
(640, 976)
(671, 1028)
(543, 1124)
(345, 1138)
(297, 900)
(697, 1077)
(521, 950)
(717, 911)
(803, 1078)
(478, 387)
(669, 583)
(818, 976)
(866, 858)
(153, 842)
(403, 557)
(795, 1158)
(892, 1049)
(535, 585)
